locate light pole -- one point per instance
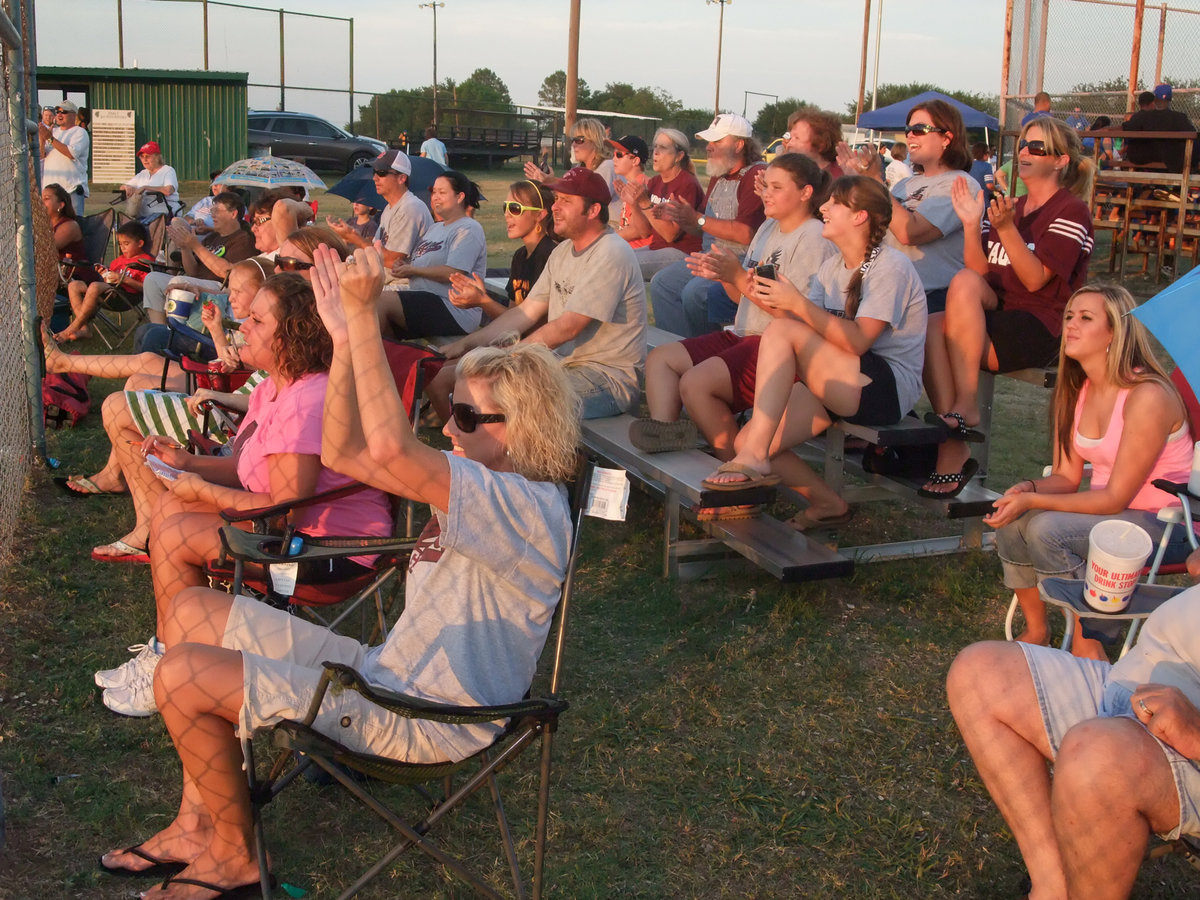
(720, 41)
(434, 6)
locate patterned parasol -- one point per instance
(269, 172)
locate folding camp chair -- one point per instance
(528, 721)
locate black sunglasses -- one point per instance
(468, 418)
(922, 128)
(291, 264)
(578, 139)
(1035, 148)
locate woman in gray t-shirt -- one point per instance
(853, 351)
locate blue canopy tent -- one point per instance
(895, 116)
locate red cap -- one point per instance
(583, 182)
(150, 147)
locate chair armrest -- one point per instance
(281, 509)
(254, 548)
(343, 677)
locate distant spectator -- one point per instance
(897, 168)
(155, 176)
(1077, 120)
(1107, 151)
(200, 215)
(630, 155)
(981, 169)
(673, 180)
(1041, 107)
(64, 226)
(687, 304)
(816, 134)
(432, 148)
(126, 273)
(48, 117)
(589, 148)
(365, 220)
(1151, 151)
(1146, 100)
(65, 150)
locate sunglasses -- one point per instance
(515, 208)
(291, 264)
(1035, 148)
(59, 111)
(922, 128)
(619, 154)
(578, 140)
(467, 418)
(261, 220)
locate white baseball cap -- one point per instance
(724, 125)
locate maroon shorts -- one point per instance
(740, 355)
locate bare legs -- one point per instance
(952, 369)
(1083, 835)
(198, 688)
(665, 367)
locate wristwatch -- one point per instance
(700, 222)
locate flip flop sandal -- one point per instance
(804, 521)
(161, 868)
(753, 478)
(248, 890)
(959, 479)
(728, 513)
(960, 433)
(656, 436)
(72, 483)
(126, 553)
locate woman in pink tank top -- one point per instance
(1114, 408)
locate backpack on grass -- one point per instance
(65, 398)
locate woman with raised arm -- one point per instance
(1114, 408)
(852, 351)
(589, 148)
(1004, 310)
(487, 570)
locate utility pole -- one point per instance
(434, 6)
(720, 41)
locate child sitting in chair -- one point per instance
(125, 273)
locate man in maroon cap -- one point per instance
(589, 305)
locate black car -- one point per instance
(310, 140)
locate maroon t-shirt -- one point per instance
(684, 187)
(1060, 235)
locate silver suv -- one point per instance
(310, 139)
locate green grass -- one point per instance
(730, 737)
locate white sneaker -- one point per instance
(134, 698)
(147, 659)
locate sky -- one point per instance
(804, 48)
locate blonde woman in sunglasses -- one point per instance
(1004, 311)
(589, 148)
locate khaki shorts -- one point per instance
(282, 656)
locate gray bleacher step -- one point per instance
(774, 547)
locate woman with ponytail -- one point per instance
(1004, 311)
(851, 348)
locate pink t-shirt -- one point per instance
(1174, 463)
(289, 421)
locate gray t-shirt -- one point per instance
(929, 195)
(459, 244)
(892, 293)
(605, 284)
(798, 255)
(402, 223)
(483, 583)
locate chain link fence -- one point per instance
(1082, 53)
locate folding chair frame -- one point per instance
(529, 720)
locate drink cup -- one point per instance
(1117, 552)
(179, 304)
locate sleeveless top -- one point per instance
(75, 249)
(1174, 461)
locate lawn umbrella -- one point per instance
(359, 185)
(1173, 316)
(269, 172)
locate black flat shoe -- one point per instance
(160, 868)
(243, 891)
(958, 479)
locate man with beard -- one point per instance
(732, 213)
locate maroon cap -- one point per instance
(583, 182)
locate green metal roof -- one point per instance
(62, 73)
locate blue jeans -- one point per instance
(1044, 543)
(597, 394)
(680, 301)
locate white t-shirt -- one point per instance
(891, 293)
(152, 206)
(797, 255)
(58, 169)
(460, 244)
(401, 225)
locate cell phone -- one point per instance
(766, 270)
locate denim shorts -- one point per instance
(281, 658)
(1071, 690)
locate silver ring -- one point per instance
(350, 260)
(1145, 708)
